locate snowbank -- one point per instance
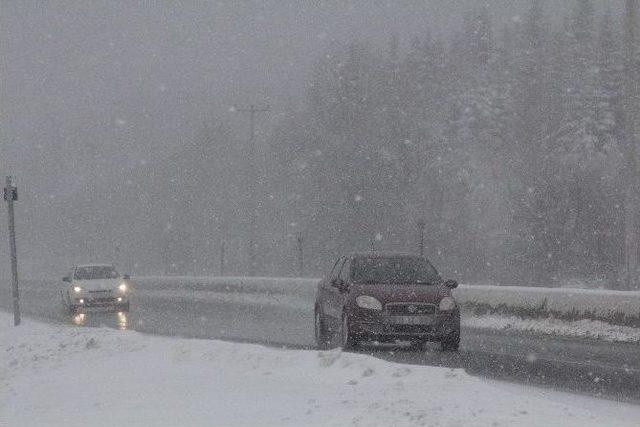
(591, 329)
(615, 307)
(58, 375)
(269, 285)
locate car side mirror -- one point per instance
(451, 284)
(126, 277)
(339, 284)
(66, 279)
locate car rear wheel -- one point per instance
(348, 342)
(322, 340)
(451, 343)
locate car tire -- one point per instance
(72, 310)
(346, 337)
(451, 343)
(418, 345)
(320, 330)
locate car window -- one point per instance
(95, 272)
(395, 270)
(344, 271)
(336, 269)
(333, 269)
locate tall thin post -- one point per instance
(300, 255)
(632, 16)
(253, 178)
(11, 195)
(631, 122)
(222, 258)
(421, 225)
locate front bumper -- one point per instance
(378, 326)
(112, 302)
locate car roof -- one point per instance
(384, 255)
(93, 265)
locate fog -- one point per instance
(119, 121)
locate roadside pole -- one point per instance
(632, 202)
(253, 185)
(300, 254)
(11, 195)
(421, 225)
(222, 259)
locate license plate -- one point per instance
(410, 320)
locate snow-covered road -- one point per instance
(591, 366)
(55, 374)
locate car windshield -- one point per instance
(95, 272)
(396, 270)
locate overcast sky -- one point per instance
(88, 89)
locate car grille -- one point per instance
(96, 302)
(411, 329)
(409, 309)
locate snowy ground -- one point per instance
(65, 375)
(591, 329)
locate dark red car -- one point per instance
(386, 298)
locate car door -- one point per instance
(345, 275)
(322, 298)
(333, 307)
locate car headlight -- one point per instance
(77, 289)
(365, 301)
(447, 304)
(122, 287)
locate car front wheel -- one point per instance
(451, 343)
(348, 341)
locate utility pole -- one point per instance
(632, 92)
(222, 259)
(11, 195)
(300, 254)
(632, 16)
(421, 225)
(252, 110)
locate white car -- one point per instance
(95, 286)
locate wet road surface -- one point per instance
(610, 370)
